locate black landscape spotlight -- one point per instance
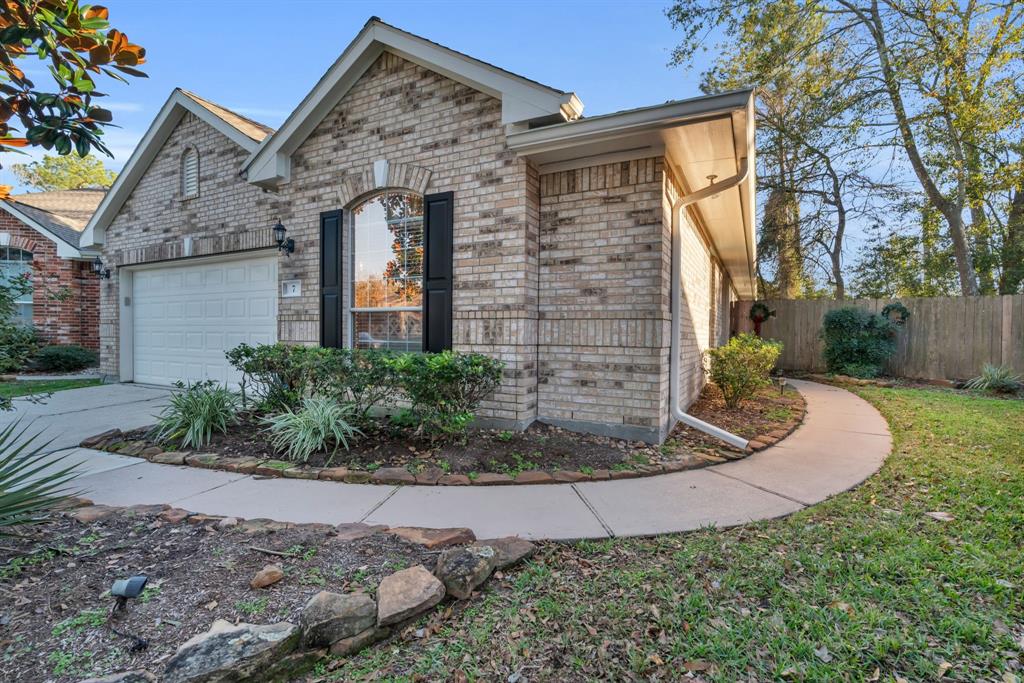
(125, 589)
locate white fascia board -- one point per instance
(522, 100)
(64, 249)
(561, 135)
(166, 120)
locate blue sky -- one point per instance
(261, 58)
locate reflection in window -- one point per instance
(17, 263)
(387, 281)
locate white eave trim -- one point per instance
(64, 248)
(169, 116)
(607, 126)
(521, 99)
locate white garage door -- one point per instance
(187, 316)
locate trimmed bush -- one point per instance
(996, 379)
(444, 390)
(742, 366)
(857, 342)
(319, 423)
(17, 345)
(64, 358)
(195, 412)
(279, 376)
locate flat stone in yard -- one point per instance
(92, 513)
(132, 448)
(301, 473)
(434, 538)
(508, 550)
(429, 476)
(624, 474)
(568, 476)
(407, 593)
(240, 465)
(353, 531)
(534, 477)
(462, 570)
(97, 440)
(169, 458)
(492, 479)
(125, 677)
(145, 510)
(271, 468)
(334, 473)
(267, 576)
(231, 653)
(205, 460)
(357, 477)
(393, 475)
(204, 519)
(329, 617)
(347, 646)
(174, 515)
(454, 480)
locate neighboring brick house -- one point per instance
(40, 234)
(436, 201)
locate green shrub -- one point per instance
(27, 489)
(280, 376)
(319, 423)
(742, 366)
(195, 412)
(17, 346)
(443, 389)
(996, 379)
(857, 342)
(64, 358)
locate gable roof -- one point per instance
(59, 215)
(522, 100)
(243, 131)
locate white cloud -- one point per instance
(120, 106)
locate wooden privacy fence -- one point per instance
(944, 338)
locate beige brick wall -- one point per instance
(604, 300)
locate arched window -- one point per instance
(190, 174)
(387, 272)
(17, 263)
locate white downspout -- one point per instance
(677, 307)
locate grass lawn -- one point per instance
(23, 388)
(865, 587)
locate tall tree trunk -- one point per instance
(952, 211)
(983, 262)
(1012, 277)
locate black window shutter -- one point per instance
(330, 278)
(438, 214)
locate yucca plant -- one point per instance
(319, 423)
(29, 484)
(195, 412)
(997, 379)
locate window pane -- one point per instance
(16, 263)
(388, 330)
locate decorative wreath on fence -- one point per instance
(760, 312)
(896, 307)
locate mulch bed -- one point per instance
(541, 454)
(54, 579)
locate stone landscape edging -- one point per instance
(112, 441)
(465, 563)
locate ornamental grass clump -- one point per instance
(195, 412)
(742, 366)
(857, 342)
(29, 484)
(996, 379)
(318, 424)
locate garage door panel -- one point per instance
(186, 317)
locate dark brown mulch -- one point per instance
(767, 411)
(53, 581)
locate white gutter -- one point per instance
(677, 306)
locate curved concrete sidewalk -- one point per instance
(842, 442)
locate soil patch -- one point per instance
(55, 578)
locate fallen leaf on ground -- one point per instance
(940, 516)
(823, 654)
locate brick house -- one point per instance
(40, 234)
(436, 201)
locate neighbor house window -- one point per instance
(17, 263)
(387, 272)
(190, 174)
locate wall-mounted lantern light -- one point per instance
(284, 243)
(101, 272)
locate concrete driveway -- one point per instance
(69, 416)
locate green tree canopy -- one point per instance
(65, 173)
